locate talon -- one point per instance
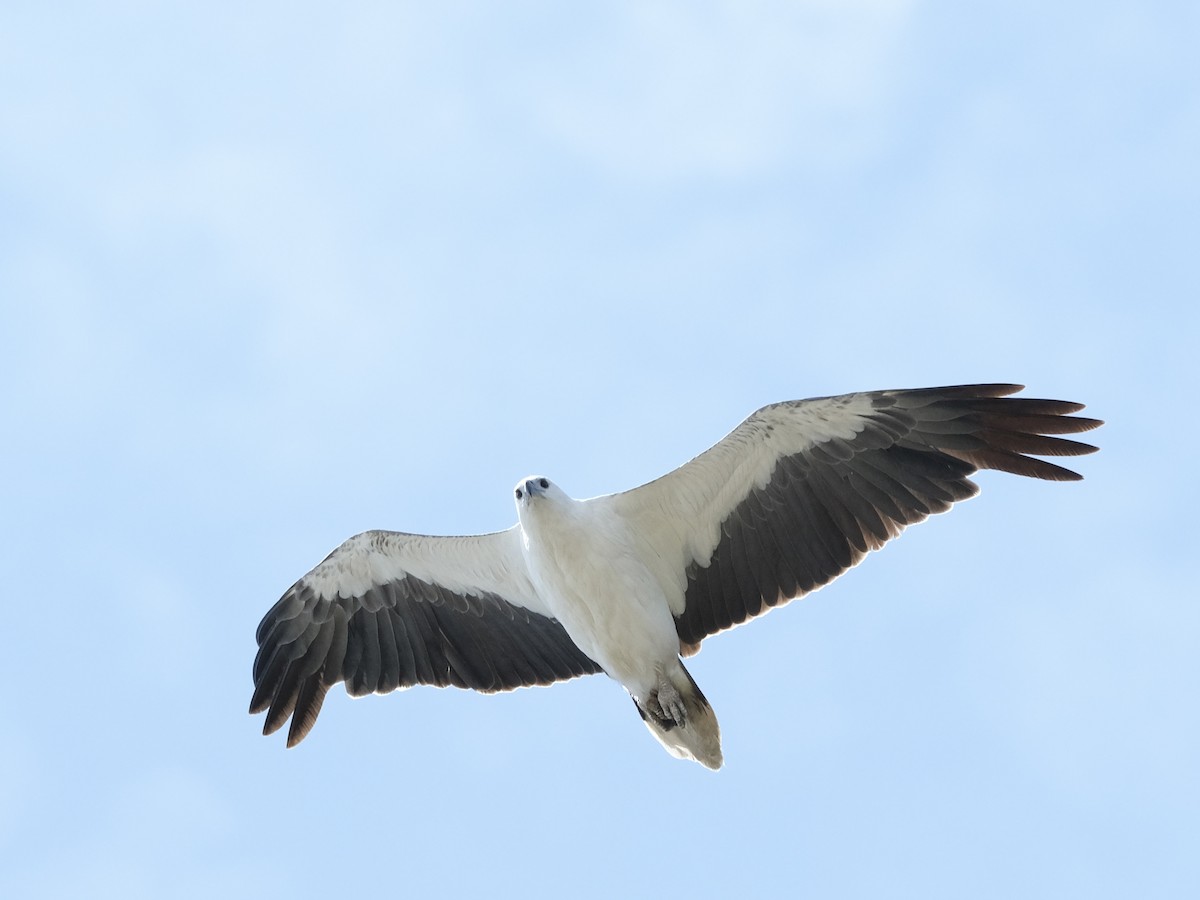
(670, 702)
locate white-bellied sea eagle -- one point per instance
(628, 583)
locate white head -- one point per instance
(536, 490)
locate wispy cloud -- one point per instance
(680, 90)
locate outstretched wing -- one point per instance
(802, 491)
(387, 610)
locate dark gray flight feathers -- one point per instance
(877, 462)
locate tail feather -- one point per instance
(698, 737)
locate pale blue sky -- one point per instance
(272, 276)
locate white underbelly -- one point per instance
(611, 606)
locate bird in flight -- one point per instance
(628, 583)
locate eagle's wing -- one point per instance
(802, 491)
(387, 610)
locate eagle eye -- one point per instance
(544, 483)
(519, 494)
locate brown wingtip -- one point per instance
(308, 707)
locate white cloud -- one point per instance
(726, 88)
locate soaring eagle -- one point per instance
(628, 583)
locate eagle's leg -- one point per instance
(670, 701)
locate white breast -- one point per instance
(585, 565)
